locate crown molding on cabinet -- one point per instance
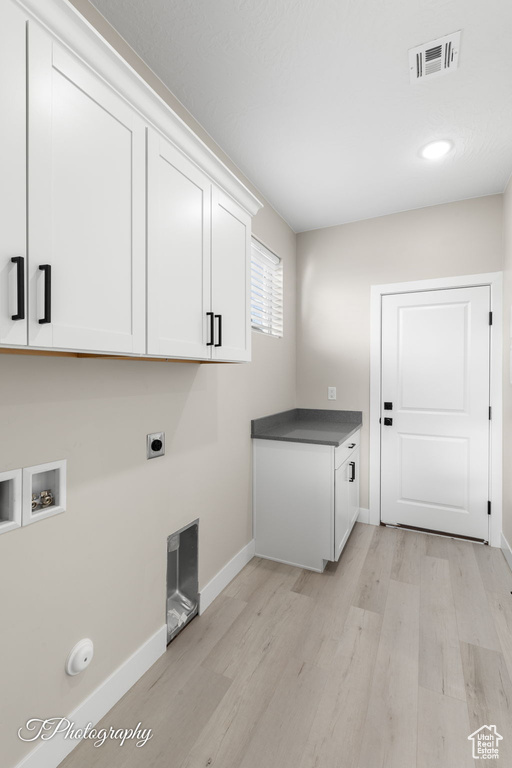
(66, 23)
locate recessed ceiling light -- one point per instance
(436, 149)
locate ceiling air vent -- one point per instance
(439, 57)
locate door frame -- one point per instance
(495, 281)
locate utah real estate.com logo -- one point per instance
(486, 743)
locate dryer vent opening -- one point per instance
(182, 579)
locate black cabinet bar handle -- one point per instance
(20, 287)
(46, 268)
(352, 466)
(219, 343)
(212, 331)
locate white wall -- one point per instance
(99, 569)
(337, 266)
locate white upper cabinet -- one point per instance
(231, 234)
(87, 207)
(119, 191)
(178, 253)
(13, 323)
(198, 268)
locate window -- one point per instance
(266, 290)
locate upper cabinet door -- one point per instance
(231, 234)
(87, 207)
(178, 296)
(13, 323)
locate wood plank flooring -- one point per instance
(389, 659)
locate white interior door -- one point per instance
(178, 253)
(231, 236)
(13, 323)
(87, 207)
(435, 380)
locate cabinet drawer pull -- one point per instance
(219, 342)
(46, 268)
(20, 287)
(352, 466)
(352, 445)
(210, 342)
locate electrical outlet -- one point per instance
(155, 445)
(331, 393)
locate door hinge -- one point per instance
(490, 318)
(488, 507)
(490, 413)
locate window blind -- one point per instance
(266, 290)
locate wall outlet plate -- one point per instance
(331, 393)
(155, 445)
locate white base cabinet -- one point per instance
(306, 500)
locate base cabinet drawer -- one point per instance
(345, 450)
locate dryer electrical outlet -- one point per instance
(155, 445)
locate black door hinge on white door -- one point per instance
(490, 318)
(490, 413)
(488, 507)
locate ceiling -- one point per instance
(312, 100)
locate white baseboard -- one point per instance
(364, 515)
(507, 550)
(49, 754)
(224, 576)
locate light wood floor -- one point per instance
(390, 658)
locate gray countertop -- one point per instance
(308, 425)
